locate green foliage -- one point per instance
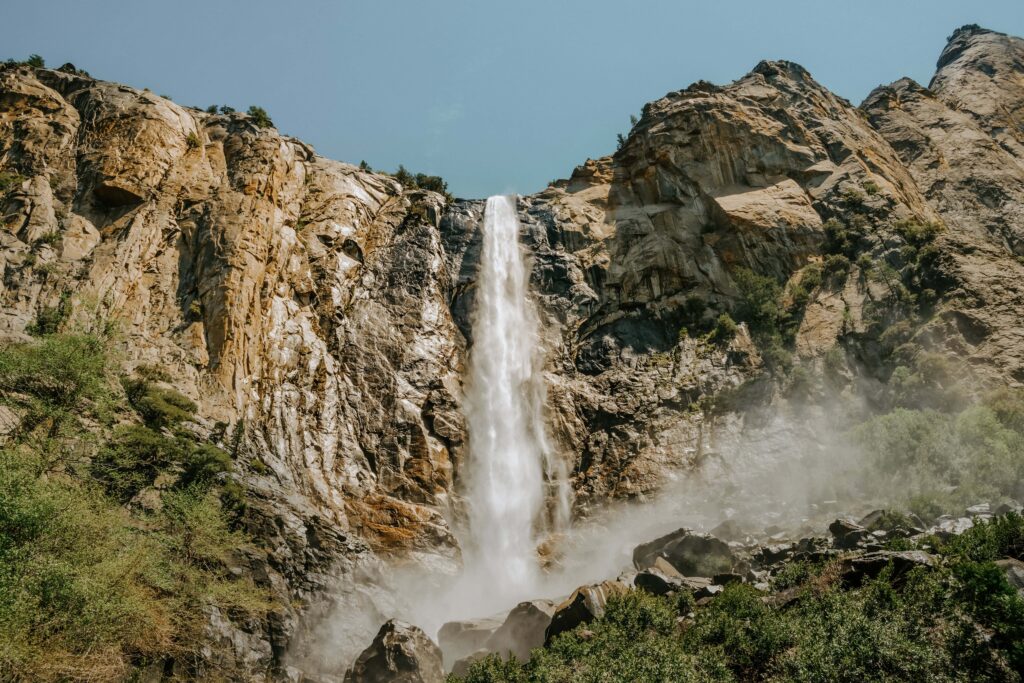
(990, 540)
(259, 117)
(36, 61)
(48, 238)
(420, 181)
(158, 406)
(131, 460)
(50, 319)
(88, 589)
(192, 141)
(212, 109)
(9, 181)
(916, 233)
(960, 621)
(724, 331)
(58, 371)
(225, 109)
(939, 461)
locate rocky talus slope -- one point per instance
(318, 314)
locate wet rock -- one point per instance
(583, 606)
(707, 592)
(401, 653)
(690, 554)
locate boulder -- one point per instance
(461, 638)
(1014, 570)
(847, 534)
(523, 630)
(857, 569)
(656, 582)
(401, 653)
(584, 605)
(691, 554)
(729, 530)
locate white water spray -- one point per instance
(508, 451)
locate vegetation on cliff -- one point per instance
(115, 519)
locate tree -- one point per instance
(36, 61)
(260, 117)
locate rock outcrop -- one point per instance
(400, 653)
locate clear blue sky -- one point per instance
(494, 96)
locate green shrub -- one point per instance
(50, 319)
(204, 463)
(36, 61)
(724, 331)
(158, 406)
(48, 238)
(259, 117)
(192, 141)
(61, 371)
(132, 459)
(916, 233)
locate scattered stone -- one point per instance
(401, 653)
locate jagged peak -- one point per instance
(961, 39)
(782, 67)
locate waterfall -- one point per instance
(509, 454)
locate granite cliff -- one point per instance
(318, 313)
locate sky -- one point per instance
(493, 96)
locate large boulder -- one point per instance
(401, 653)
(524, 629)
(689, 553)
(857, 569)
(459, 639)
(584, 605)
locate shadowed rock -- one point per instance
(583, 606)
(401, 653)
(690, 554)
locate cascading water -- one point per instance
(509, 455)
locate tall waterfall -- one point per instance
(509, 454)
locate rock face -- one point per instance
(301, 302)
(321, 312)
(400, 653)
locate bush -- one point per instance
(36, 61)
(259, 117)
(60, 371)
(158, 406)
(192, 141)
(131, 460)
(724, 331)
